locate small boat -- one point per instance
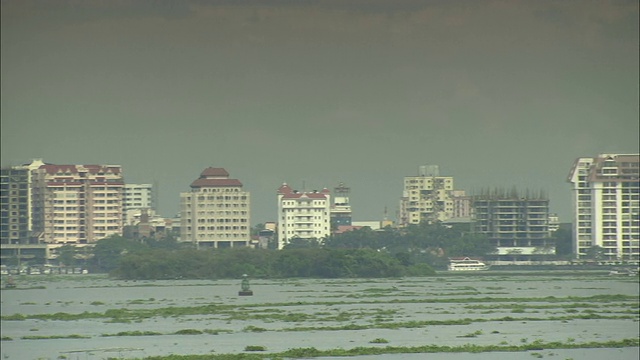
(623, 272)
(466, 264)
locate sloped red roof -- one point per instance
(217, 172)
(93, 169)
(293, 195)
(53, 169)
(215, 183)
(344, 228)
(285, 189)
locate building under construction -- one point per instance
(517, 224)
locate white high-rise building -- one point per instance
(606, 204)
(341, 209)
(216, 212)
(138, 196)
(304, 215)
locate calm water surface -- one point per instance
(286, 314)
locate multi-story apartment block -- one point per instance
(137, 197)
(606, 205)
(426, 197)
(341, 209)
(554, 222)
(216, 212)
(461, 204)
(305, 215)
(14, 206)
(517, 226)
(77, 204)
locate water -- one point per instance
(312, 313)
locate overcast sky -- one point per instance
(497, 93)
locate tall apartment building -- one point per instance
(426, 197)
(340, 209)
(76, 204)
(518, 226)
(305, 215)
(606, 205)
(461, 205)
(216, 212)
(138, 198)
(14, 206)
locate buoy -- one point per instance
(245, 287)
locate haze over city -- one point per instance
(497, 93)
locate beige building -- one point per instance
(461, 205)
(76, 204)
(426, 197)
(216, 212)
(606, 205)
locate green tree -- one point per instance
(564, 242)
(476, 245)
(67, 255)
(108, 252)
(302, 243)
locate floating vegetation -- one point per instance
(252, 328)
(43, 337)
(472, 335)
(134, 333)
(337, 316)
(124, 315)
(312, 352)
(379, 341)
(189, 332)
(255, 348)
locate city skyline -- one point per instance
(498, 94)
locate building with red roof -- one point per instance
(304, 215)
(216, 212)
(76, 204)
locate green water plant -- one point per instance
(311, 352)
(379, 341)
(255, 348)
(188, 332)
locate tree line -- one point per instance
(411, 251)
(261, 263)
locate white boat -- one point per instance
(623, 272)
(466, 264)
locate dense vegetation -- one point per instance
(232, 263)
(414, 250)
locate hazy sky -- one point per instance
(497, 93)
